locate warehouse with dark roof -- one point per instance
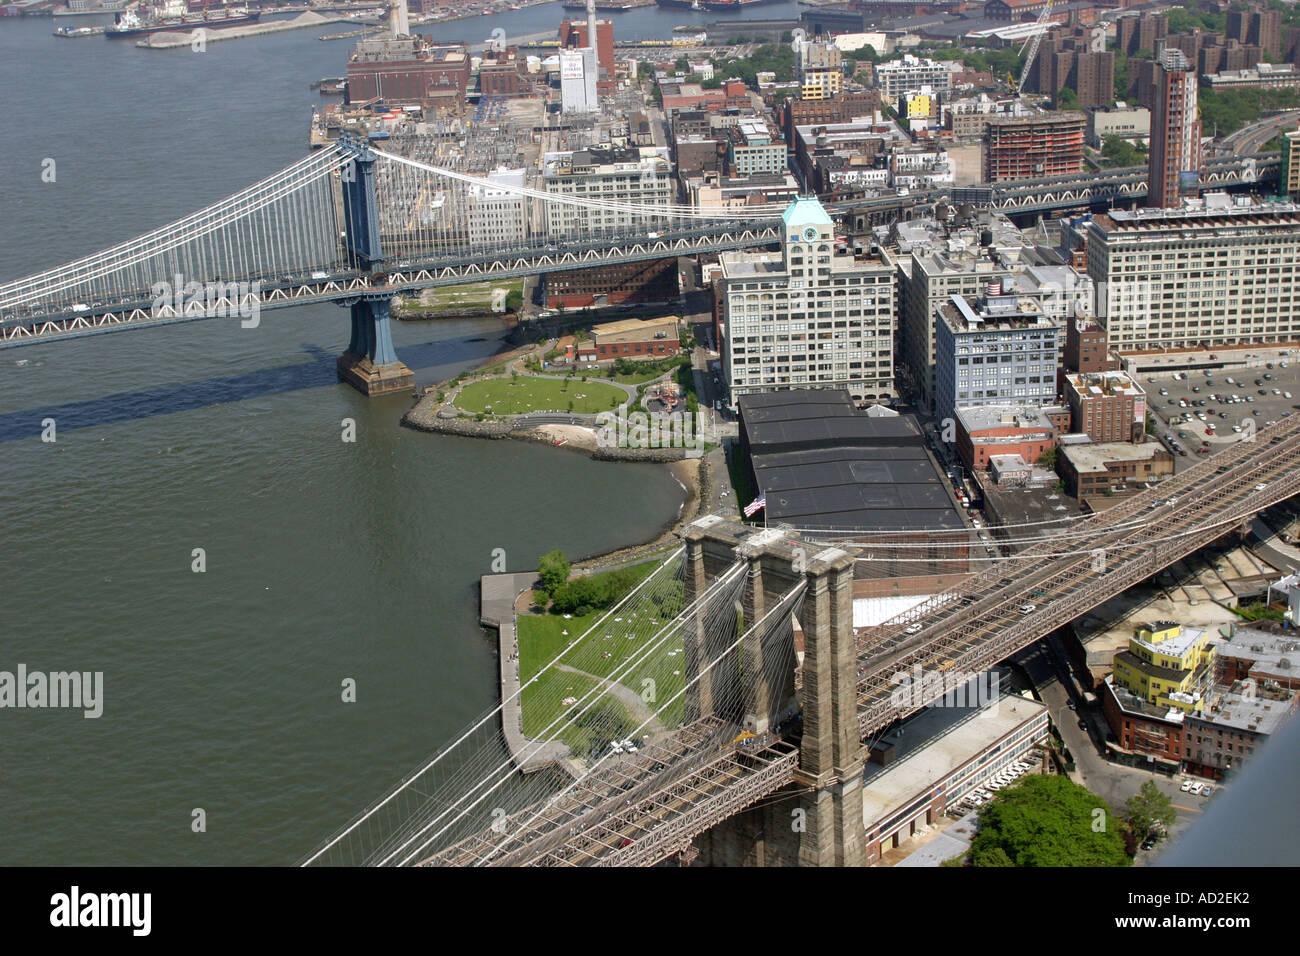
(824, 464)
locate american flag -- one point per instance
(756, 505)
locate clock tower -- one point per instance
(806, 225)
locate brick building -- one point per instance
(1175, 160)
(1086, 348)
(573, 36)
(653, 280)
(1092, 469)
(1135, 33)
(631, 339)
(989, 430)
(407, 70)
(506, 77)
(1107, 406)
(1144, 733)
(1258, 27)
(1072, 61)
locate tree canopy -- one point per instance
(1149, 811)
(553, 571)
(1226, 111)
(777, 58)
(1048, 821)
(1120, 152)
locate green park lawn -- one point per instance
(480, 295)
(542, 637)
(531, 393)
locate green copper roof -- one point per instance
(805, 211)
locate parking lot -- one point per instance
(1220, 406)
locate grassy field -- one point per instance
(542, 637)
(651, 370)
(480, 295)
(529, 393)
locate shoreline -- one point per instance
(692, 474)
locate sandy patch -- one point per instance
(577, 436)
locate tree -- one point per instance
(1149, 811)
(1121, 152)
(1049, 821)
(996, 856)
(553, 571)
(1067, 99)
(682, 65)
(1048, 458)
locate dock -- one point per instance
(497, 594)
(184, 38)
(354, 33)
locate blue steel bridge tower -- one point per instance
(370, 364)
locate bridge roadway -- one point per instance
(973, 626)
(1128, 183)
(639, 808)
(404, 275)
(647, 807)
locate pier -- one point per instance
(183, 38)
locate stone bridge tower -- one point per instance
(818, 820)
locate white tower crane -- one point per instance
(1035, 38)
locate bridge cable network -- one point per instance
(589, 698)
(642, 790)
(286, 223)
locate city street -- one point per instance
(1046, 664)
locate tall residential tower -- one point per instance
(1175, 164)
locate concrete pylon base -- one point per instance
(370, 379)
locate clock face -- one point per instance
(810, 234)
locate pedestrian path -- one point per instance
(497, 596)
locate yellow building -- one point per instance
(1167, 666)
(821, 84)
(918, 105)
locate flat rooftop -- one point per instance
(1173, 646)
(1089, 459)
(932, 745)
(1001, 313)
(632, 325)
(977, 418)
(1243, 711)
(1206, 211)
(823, 463)
(1273, 653)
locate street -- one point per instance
(1047, 666)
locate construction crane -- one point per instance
(1031, 44)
